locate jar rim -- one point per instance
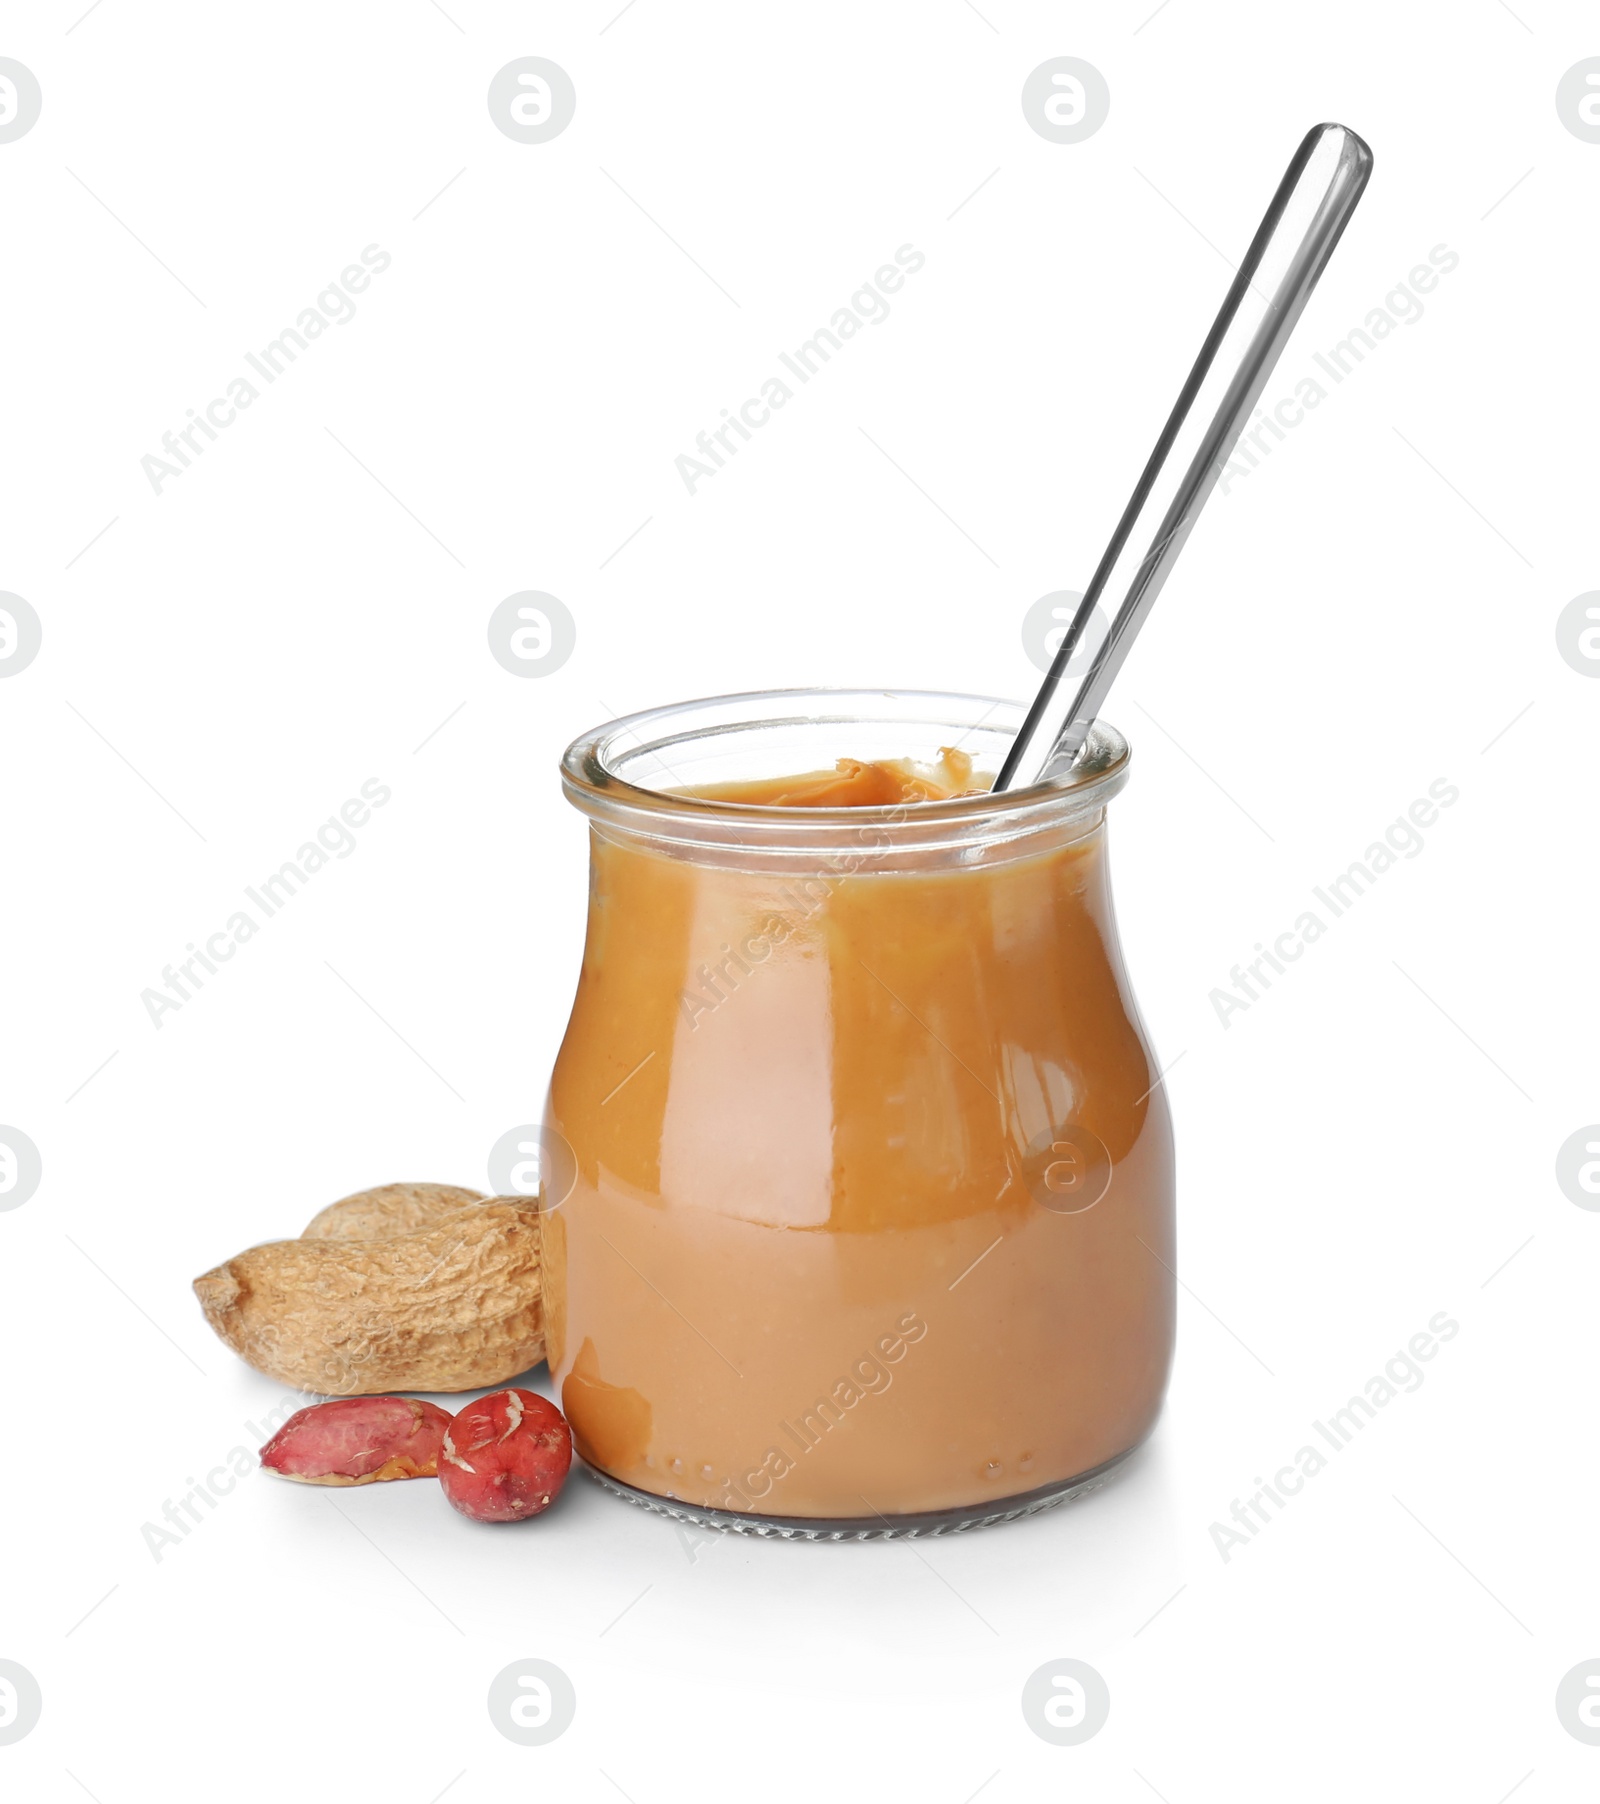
(595, 786)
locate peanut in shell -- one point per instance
(452, 1306)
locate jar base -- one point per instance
(865, 1528)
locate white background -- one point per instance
(1372, 609)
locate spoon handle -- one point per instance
(1311, 208)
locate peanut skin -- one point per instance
(359, 1441)
(505, 1457)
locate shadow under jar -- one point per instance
(871, 1227)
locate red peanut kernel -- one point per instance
(358, 1441)
(505, 1457)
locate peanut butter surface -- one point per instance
(823, 1257)
(858, 783)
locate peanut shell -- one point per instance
(388, 1210)
(456, 1306)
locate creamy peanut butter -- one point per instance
(854, 783)
(838, 1245)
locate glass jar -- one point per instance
(869, 1227)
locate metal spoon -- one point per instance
(1311, 208)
